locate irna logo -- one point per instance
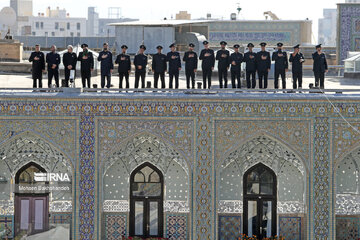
(51, 177)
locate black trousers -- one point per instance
(171, 78)
(190, 75)
(223, 75)
(251, 79)
(158, 75)
(85, 78)
(108, 81)
(319, 78)
(67, 77)
(37, 78)
(207, 73)
(139, 75)
(297, 79)
(263, 75)
(279, 73)
(235, 75)
(121, 77)
(53, 73)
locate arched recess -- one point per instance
(346, 194)
(290, 169)
(26, 148)
(139, 149)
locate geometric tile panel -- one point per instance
(229, 227)
(115, 226)
(7, 226)
(61, 218)
(176, 227)
(290, 227)
(347, 228)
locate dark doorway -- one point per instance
(260, 193)
(31, 209)
(146, 202)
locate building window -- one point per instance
(42, 25)
(62, 29)
(68, 26)
(260, 193)
(78, 26)
(56, 25)
(34, 33)
(146, 201)
(46, 34)
(71, 34)
(37, 25)
(53, 34)
(78, 34)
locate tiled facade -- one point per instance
(202, 136)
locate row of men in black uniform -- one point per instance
(255, 62)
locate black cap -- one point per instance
(223, 43)
(205, 42)
(84, 45)
(236, 46)
(280, 44)
(172, 45)
(142, 47)
(318, 46)
(297, 46)
(263, 44)
(159, 47)
(191, 45)
(105, 44)
(250, 45)
(124, 46)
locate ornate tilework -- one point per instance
(290, 227)
(347, 228)
(229, 227)
(176, 227)
(7, 226)
(60, 218)
(115, 226)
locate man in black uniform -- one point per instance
(263, 63)
(223, 57)
(69, 61)
(38, 66)
(208, 62)
(124, 68)
(140, 62)
(107, 66)
(297, 59)
(236, 59)
(87, 65)
(281, 66)
(320, 66)
(191, 64)
(250, 60)
(174, 60)
(53, 60)
(159, 67)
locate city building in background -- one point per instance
(22, 7)
(327, 31)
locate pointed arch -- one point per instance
(23, 168)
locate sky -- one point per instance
(159, 9)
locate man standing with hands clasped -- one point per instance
(236, 59)
(263, 63)
(191, 64)
(140, 62)
(38, 66)
(159, 67)
(86, 65)
(107, 66)
(174, 60)
(320, 66)
(53, 60)
(208, 63)
(297, 59)
(281, 66)
(250, 60)
(223, 58)
(69, 60)
(124, 66)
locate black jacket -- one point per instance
(281, 60)
(191, 61)
(106, 63)
(37, 65)
(86, 61)
(53, 58)
(238, 59)
(174, 61)
(208, 59)
(320, 63)
(124, 63)
(140, 60)
(70, 59)
(297, 62)
(223, 57)
(159, 63)
(263, 61)
(250, 60)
